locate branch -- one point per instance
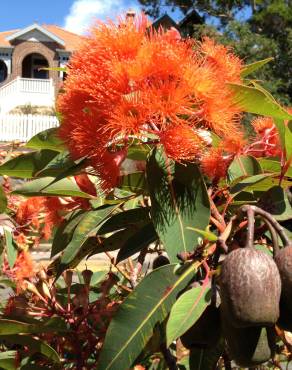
(280, 230)
(250, 225)
(168, 357)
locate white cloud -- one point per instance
(83, 12)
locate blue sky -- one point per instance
(75, 15)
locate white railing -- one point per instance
(8, 89)
(26, 91)
(23, 127)
(32, 85)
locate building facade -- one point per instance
(24, 56)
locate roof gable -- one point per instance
(165, 22)
(35, 33)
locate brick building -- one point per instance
(23, 54)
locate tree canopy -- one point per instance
(254, 29)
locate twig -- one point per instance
(112, 260)
(280, 230)
(215, 212)
(168, 357)
(137, 269)
(227, 362)
(250, 228)
(219, 226)
(222, 244)
(274, 237)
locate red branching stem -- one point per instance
(219, 226)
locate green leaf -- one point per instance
(139, 232)
(243, 166)
(251, 180)
(65, 231)
(11, 248)
(56, 267)
(186, 311)
(129, 241)
(252, 67)
(34, 345)
(274, 166)
(136, 242)
(7, 283)
(138, 152)
(149, 304)
(134, 183)
(206, 234)
(8, 360)
(125, 219)
(11, 327)
(276, 202)
(88, 223)
(179, 200)
(47, 139)
(57, 165)
(288, 140)
(47, 187)
(3, 200)
(270, 165)
(267, 184)
(35, 367)
(111, 243)
(25, 166)
(260, 247)
(255, 100)
(281, 127)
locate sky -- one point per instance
(74, 15)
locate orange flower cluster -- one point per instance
(42, 214)
(267, 140)
(23, 268)
(128, 80)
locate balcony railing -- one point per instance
(26, 91)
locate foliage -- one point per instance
(164, 202)
(255, 29)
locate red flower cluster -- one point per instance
(23, 268)
(41, 214)
(267, 143)
(128, 80)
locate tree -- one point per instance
(132, 170)
(266, 33)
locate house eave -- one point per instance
(64, 51)
(35, 27)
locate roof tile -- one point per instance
(72, 40)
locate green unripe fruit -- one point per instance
(206, 332)
(250, 288)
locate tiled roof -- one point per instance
(3, 35)
(71, 39)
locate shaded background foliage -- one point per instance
(254, 29)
